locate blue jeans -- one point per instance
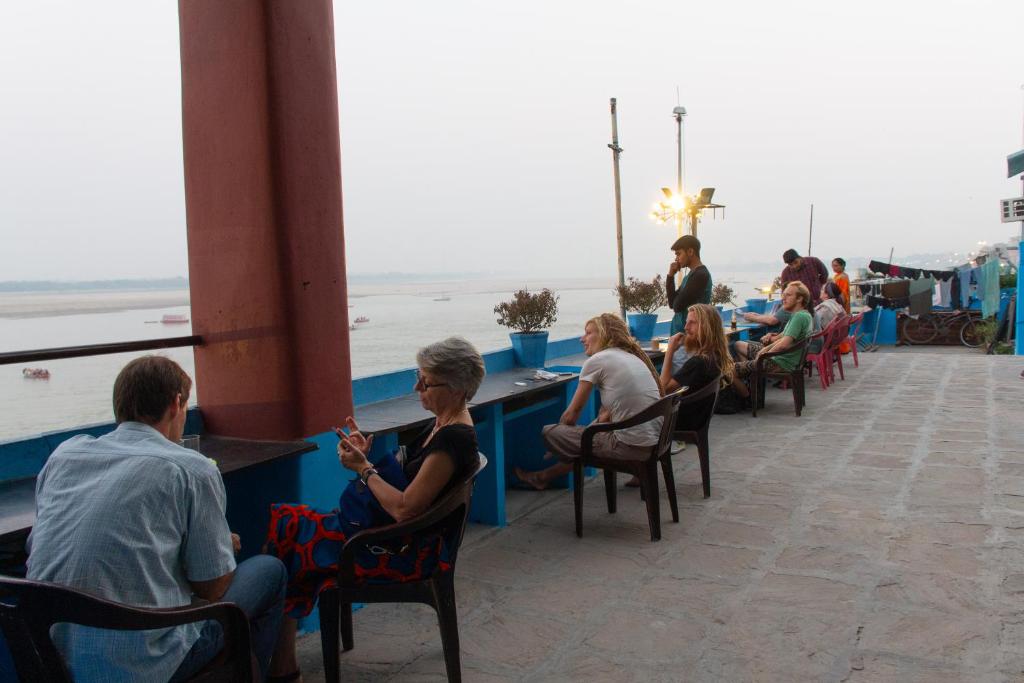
(258, 588)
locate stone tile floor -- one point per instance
(880, 537)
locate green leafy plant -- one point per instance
(1007, 279)
(986, 330)
(527, 312)
(722, 294)
(640, 296)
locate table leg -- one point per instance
(488, 505)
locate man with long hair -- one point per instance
(704, 340)
(628, 382)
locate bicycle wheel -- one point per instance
(919, 331)
(970, 335)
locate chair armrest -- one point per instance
(764, 357)
(649, 413)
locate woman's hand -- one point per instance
(353, 447)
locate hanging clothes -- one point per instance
(988, 288)
(921, 296)
(885, 302)
(946, 292)
(912, 273)
(965, 285)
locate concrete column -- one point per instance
(264, 213)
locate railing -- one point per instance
(12, 357)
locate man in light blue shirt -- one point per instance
(135, 518)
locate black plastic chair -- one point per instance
(759, 378)
(29, 608)
(703, 402)
(447, 519)
(645, 470)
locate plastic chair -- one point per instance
(819, 360)
(855, 323)
(29, 608)
(447, 519)
(758, 379)
(703, 402)
(644, 470)
(835, 356)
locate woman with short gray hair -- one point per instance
(448, 374)
(457, 361)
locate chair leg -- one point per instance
(577, 494)
(347, 640)
(798, 395)
(329, 607)
(754, 383)
(670, 486)
(822, 372)
(839, 362)
(448, 620)
(704, 453)
(609, 490)
(649, 485)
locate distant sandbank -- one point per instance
(51, 304)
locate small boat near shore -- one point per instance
(173, 318)
(361, 319)
(443, 298)
(35, 373)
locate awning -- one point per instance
(1015, 164)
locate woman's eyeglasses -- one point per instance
(422, 383)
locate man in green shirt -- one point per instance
(796, 299)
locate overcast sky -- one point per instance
(474, 135)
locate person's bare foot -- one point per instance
(534, 479)
(634, 482)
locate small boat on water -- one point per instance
(443, 298)
(352, 326)
(362, 319)
(35, 373)
(170, 318)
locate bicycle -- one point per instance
(925, 328)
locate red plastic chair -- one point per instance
(855, 322)
(831, 337)
(842, 333)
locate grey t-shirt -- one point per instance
(130, 517)
(627, 387)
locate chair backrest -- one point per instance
(664, 407)
(855, 322)
(701, 402)
(446, 517)
(29, 608)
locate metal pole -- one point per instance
(616, 151)
(679, 113)
(810, 231)
(1018, 344)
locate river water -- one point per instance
(402, 318)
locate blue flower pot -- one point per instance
(529, 348)
(641, 325)
(756, 305)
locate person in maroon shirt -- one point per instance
(806, 269)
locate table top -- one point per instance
(405, 411)
(18, 497)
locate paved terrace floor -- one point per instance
(880, 537)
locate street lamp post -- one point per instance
(679, 112)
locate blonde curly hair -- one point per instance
(613, 333)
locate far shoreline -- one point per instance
(21, 305)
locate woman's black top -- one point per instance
(457, 440)
(697, 372)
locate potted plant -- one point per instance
(722, 294)
(643, 298)
(529, 315)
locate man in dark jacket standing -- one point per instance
(695, 288)
(806, 269)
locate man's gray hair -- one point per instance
(456, 362)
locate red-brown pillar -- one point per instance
(263, 205)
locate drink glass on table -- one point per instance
(190, 441)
